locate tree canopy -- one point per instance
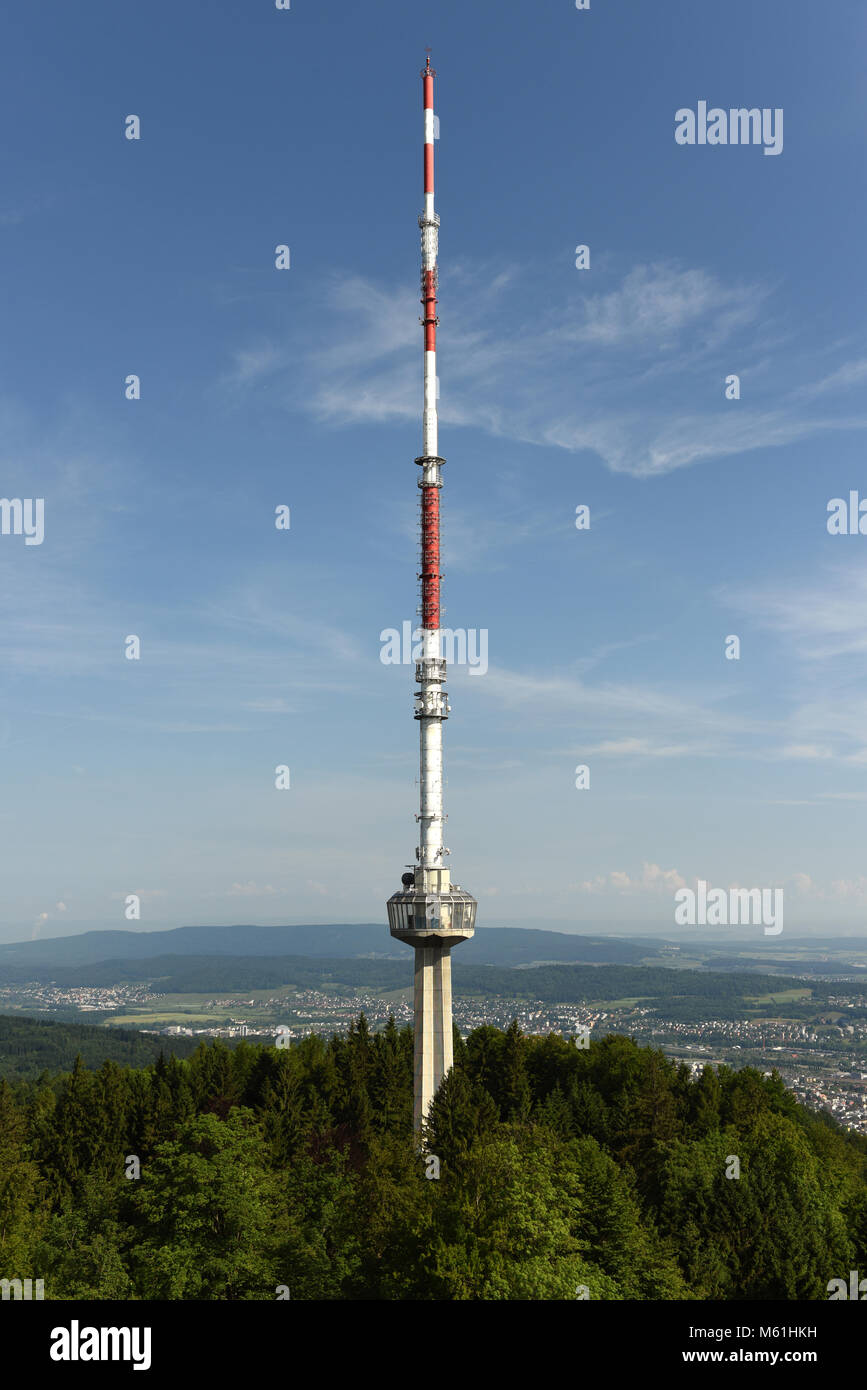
(547, 1171)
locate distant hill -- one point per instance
(197, 941)
(492, 945)
(220, 974)
(564, 983)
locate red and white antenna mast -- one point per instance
(432, 705)
(430, 912)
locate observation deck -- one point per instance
(434, 916)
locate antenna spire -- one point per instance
(430, 912)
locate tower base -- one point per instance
(433, 1053)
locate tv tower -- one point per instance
(429, 912)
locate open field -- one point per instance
(787, 996)
(151, 1018)
(255, 1006)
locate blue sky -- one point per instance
(558, 387)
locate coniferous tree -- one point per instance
(22, 1192)
(517, 1099)
(208, 1214)
(460, 1112)
(70, 1138)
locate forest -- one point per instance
(549, 1171)
(30, 1046)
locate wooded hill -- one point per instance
(557, 1169)
(560, 983)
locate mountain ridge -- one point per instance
(494, 945)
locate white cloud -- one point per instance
(808, 751)
(251, 890)
(652, 879)
(825, 619)
(651, 334)
(611, 706)
(658, 302)
(850, 374)
(640, 748)
(851, 888)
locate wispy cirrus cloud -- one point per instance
(640, 748)
(808, 752)
(609, 703)
(850, 374)
(517, 364)
(820, 626)
(655, 304)
(822, 620)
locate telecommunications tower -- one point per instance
(430, 913)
